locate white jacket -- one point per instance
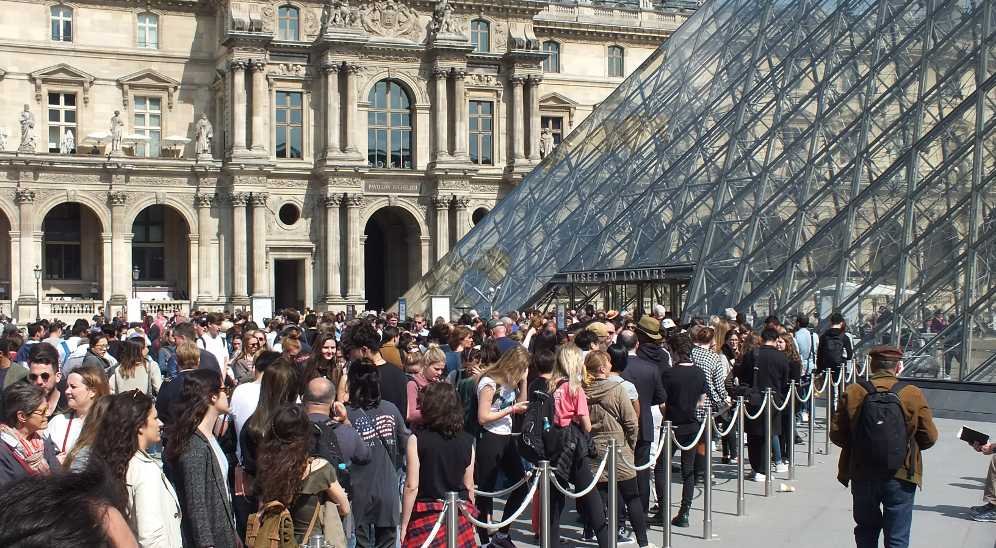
(154, 508)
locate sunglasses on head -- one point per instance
(34, 376)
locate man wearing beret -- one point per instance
(883, 499)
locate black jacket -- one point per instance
(823, 354)
(204, 498)
(765, 368)
(654, 353)
(646, 376)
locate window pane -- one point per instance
(281, 116)
(53, 98)
(154, 103)
(53, 115)
(296, 143)
(139, 103)
(295, 99)
(69, 99)
(281, 142)
(296, 116)
(486, 150)
(154, 120)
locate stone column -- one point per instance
(260, 107)
(442, 151)
(120, 256)
(238, 69)
(352, 110)
(462, 218)
(333, 247)
(332, 125)
(26, 226)
(518, 119)
(260, 281)
(442, 206)
(461, 134)
(193, 251)
(240, 283)
(204, 237)
(534, 119)
(354, 250)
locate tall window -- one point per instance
(290, 124)
(62, 241)
(616, 62)
(148, 122)
(482, 132)
(552, 61)
(61, 118)
(389, 123)
(62, 23)
(287, 19)
(149, 245)
(556, 126)
(480, 35)
(148, 30)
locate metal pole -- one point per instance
(826, 437)
(613, 517)
(741, 500)
(866, 367)
(812, 419)
(791, 433)
(707, 484)
(452, 519)
(545, 533)
(768, 487)
(665, 504)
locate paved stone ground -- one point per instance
(818, 513)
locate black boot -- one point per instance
(681, 520)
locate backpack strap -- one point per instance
(867, 385)
(314, 517)
(898, 387)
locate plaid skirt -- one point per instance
(423, 519)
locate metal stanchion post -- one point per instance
(452, 519)
(812, 419)
(665, 505)
(768, 468)
(866, 367)
(613, 517)
(826, 438)
(545, 486)
(741, 500)
(791, 432)
(707, 484)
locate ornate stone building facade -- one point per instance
(206, 152)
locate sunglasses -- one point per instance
(34, 376)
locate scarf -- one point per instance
(29, 452)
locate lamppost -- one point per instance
(38, 274)
(135, 273)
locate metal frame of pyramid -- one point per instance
(803, 155)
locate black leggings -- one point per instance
(691, 464)
(590, 506)
(494, 453)
(629, 493)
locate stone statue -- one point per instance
(546, 142)
(68, 143)
(27, 131)
(442, 19)
(203, 137)
(117, 131)
(3, 139)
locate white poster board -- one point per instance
(134, 310)
(439, 305)
(262, 309)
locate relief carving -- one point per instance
(391, 19)
(289, 69)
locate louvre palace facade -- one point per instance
(204, 152)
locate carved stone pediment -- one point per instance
(391, 19)
(556, 100)
(148, 79)
(61, 74)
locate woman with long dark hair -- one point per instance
(323, 362)
(440, 460)
(376, 505)
(243, 359)
(129, 427)
(279, 386)
(134, 370)
(299, 482)
(198, 466)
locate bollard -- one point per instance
(545, 486)
(791, 432)
(665, 505)
(826, 438)
(866, 367)
(768, 468)
(613, 517)
(452, 519)
(741, 500)
(812, 419)
(707, 484)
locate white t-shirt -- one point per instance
(243, 403)
(64, 430)
(217, 346)
(506, 398)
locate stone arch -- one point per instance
(394, 251)
(160, 249)
(74, 259)
(416, 89)
(99, 208)
(183, 208)
(403, 203)
(6, 252)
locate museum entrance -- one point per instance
(288, 284)
(391, 256)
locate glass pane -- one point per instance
(155, 103)
(281, 139)
(295, 100)
(486, 150)
(53, 98)
(154, 120)
(53, 115)
(156, 232)
(69, 99)
(281, 98)
(296, 116)
(473, 149)
(139, 103)
(296, 143)
(69, 116)
(486, 124)
(281, 116)
(396, 119)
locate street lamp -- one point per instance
(135, 273)
(38, 274)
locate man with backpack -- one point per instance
(834, 347)
(881, 425)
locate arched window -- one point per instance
(287, 22)
(389, 127)
(62, 23)
(148, 30)
(552, 61)
(480, 35)
(617, 65)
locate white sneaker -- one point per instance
(805, 416)
(781, 468)
(758, 477)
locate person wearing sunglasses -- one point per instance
(43, 372)
(24, 451)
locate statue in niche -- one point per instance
(442, 19)
(546, 142)
(3, 139)
(117, 131)
(68, 143)
(27, 131)
(203, 137)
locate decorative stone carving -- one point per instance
(390, 19)
(3, 139)
(329, 68)
(461, 186)
(24, 196)
(68, 142)
(257, 65)
(354, 200)
(117, 199)
(237, 65)
(204, 134)
(461, 202)
(310, 23)
(501, 37)
(546, 142)
(203, 200)
(239, 199)
(258, 199)
(482, 80)
(268, 23)
(333, 201)
(117, 131)
(27, 131)
(337, 14)
(441, 202)
(290, 69)
(443, 23)
(535, 80)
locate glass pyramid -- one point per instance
(797, 156)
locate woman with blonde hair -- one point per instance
(501, 393)
(242, 361)
(77, 459)
(85, 385)
(433, 365)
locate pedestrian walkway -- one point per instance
(818, 513)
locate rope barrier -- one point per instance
(508, 521)
(760, 410)
(507, 490)
(733, 423)
(694, 441)
(437, 526)
(586, 490)
(809, 394)
(826, 384)
(840, 376)
(785, 403)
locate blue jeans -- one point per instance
(883, 505)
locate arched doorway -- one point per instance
(391, 255)
(160, 254)
(6, 264)
(72, 253)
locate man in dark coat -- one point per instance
(765, 368)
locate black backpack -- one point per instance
(833, 355)
(541, 439)
(879, 435)
(324, 444)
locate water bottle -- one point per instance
(546, 424)
(317, 540)
(341, 467)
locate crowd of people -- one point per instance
(215, 431)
